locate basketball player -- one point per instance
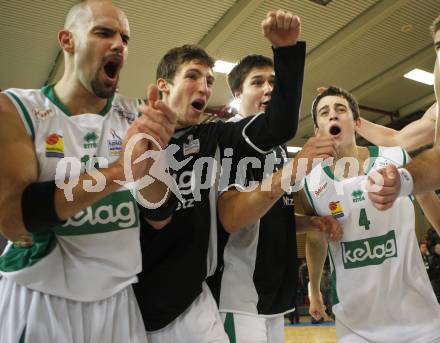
(255, 282)
(176, 304)
(66, 275)
(381, 292)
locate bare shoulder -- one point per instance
(11, 127)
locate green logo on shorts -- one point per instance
(370, 251)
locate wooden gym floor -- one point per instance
(305, 332)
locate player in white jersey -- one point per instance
(381, 290)
(66, 274)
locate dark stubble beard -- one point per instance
(100, 90)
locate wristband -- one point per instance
(406, 182)
(38, 207)
(162, 212)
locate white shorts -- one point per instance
(242, 328)
(31, 316)
(200, 323)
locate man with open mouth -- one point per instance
(381, 291)
(66, 275)
(176, 304)
(256, 277)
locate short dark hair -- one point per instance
(435, 25)
(336, 91)
(239, 73)
(175, 57)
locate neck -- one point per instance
(77, 98)
(244, 115)
(354, 151)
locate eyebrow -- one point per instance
(322, 108)
(195, 70)
(111, 30)
(256, 77)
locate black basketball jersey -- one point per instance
(178, 258)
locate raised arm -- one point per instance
(280, 121)
(413, 136)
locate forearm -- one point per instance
(280, 122)
(238, 210)
(377, 134)
(425, 171)
(430, 204)
(83, 198)
(316, 252)
(302, 223)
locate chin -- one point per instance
(103, 91)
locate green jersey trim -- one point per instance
(230, 327)
(24, 114)
(309, 196)
(23, 335)
(17, 258)
(329, 173)
(49, 92)
(373, 152)
(405, 157)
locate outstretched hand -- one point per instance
(383, 187)
(281, 28)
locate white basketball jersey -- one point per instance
(95, 253)
(381, 291)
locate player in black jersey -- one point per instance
(255, 281)
(174, 299)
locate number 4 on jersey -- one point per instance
(363, 219)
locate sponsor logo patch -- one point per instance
(336, 209)
(117, 211)
(370, 251)
(130, 117)
(55, 146)
(192, 147)
(321, 189)
(90, 140)
(43, 114)
(357, 196)
(114, 144)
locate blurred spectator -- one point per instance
(303, 281)
(432, 238)
(435, 271)
(426, 255)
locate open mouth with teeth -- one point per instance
(198, 105)
(335, 130)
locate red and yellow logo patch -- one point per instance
(55, 146)
(336, 209)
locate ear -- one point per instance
(357, 123)
(237, 95)
(65, 39)
(163, 86)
